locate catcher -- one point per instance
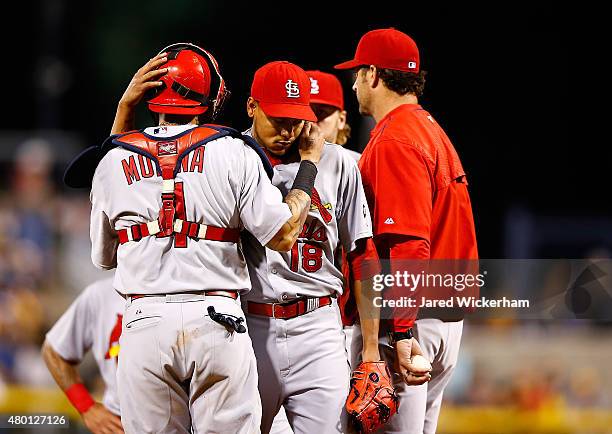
(186, 360)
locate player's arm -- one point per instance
(402, 230)
(364, 265)
(97, 418)
(145, 79)
(104, 239)
(402, 248)
(355, 234)
(298, 202)
(298, 199)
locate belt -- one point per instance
(214, 293)
(291, 309)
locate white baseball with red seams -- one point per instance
(420, 363)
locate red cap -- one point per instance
(282, 89)
(325, 89)
(385, 48)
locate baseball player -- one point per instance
(422, 211)
(292, 310)
(168, 204)
(327, 102)
(92, 322)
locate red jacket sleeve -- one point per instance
(364, 260)
(400, 249)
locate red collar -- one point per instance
(389, 116)
(274, 160)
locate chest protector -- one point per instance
(167, 154)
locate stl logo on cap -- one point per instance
(314, 86)
(293, 90)
(282, 90)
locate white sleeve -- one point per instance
(104, 240)
(72, 335)
(354, 222)
(262, 210)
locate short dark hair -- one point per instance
(403, 82)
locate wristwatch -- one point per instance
(399, 336)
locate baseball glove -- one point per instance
(372, 399)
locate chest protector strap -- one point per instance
(168, 154)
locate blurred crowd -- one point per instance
(535, 384)
(44, 258)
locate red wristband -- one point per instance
(79, 397)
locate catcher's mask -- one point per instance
(193, 84)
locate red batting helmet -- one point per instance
(193, 84)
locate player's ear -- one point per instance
(341, 119)
(373, 76)
(251, 106)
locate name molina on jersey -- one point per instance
(138, 167)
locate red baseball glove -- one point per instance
(372, 399)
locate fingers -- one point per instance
(152, 64)
(110, 425)
(153, 74)
(416, 380)
(151, 84)
(416, 348)
(160, 59)
(116, 424)
(314, 128)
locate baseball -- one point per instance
(420, 363)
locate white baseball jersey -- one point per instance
(339, 214)
(356, 155)
(225, 185)
(93, 321)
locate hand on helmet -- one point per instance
(146, 78)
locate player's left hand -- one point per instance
(412, 375)
(101, 421)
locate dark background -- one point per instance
(501, 82)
